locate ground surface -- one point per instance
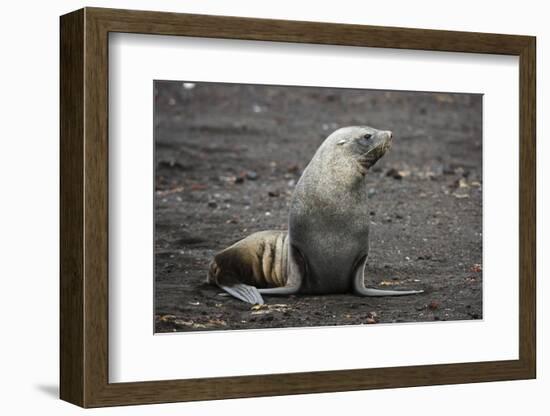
(228, 157)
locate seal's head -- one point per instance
(363, 144)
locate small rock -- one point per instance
(295, 169)
(273, 193)
(459, 184)
(212, 204)
(251, 175)
(397, 174)
(198, 187)
(433, 305)
(476, 268)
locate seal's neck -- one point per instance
(339, 174)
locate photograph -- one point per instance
(288, 206)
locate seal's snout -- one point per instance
(387, 136)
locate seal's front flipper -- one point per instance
(285, 290)
(368, 291)
(360, 288)
(243, 292)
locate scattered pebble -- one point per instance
(372, 318)
(295, 169)
(251, 175)
(397, 174)
(165, 192)
(433, 305)
(459, 184)
(167, 318)
(198, 187)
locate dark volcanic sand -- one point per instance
(425, 199)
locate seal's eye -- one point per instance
(365, 140)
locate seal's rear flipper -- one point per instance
(296, 271)
(243, 292)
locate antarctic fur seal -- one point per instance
(326, 247)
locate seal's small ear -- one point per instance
(341, 142)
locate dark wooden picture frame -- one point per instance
(84, 207)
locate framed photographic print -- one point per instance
(255, 207)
